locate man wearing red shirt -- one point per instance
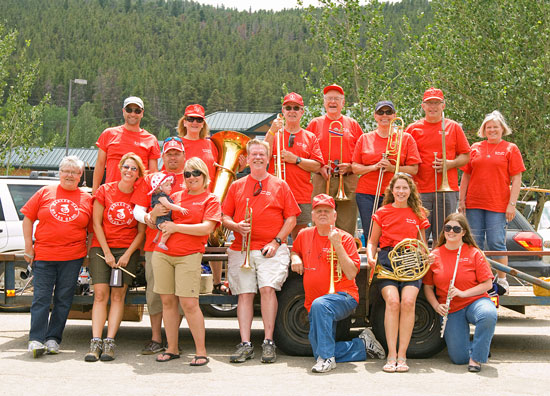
(300, 154)
(427, 134)
(274, 212)
(311, 257)
(114, 142)
(340, 152)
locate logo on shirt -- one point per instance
(263, 192)
(120, 213)
(64, 210)
(411, 221)
(300, 144)
(207, 151)
(500, 153)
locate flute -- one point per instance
(449, 298)
(120, 268)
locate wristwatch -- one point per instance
(278, 240)
(298, 160)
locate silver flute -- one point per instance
(449, 298)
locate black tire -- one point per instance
(220, 310)
(425, 341)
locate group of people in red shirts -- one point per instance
(330, 155)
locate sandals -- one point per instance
(390, 366)
(220, 288)
(171, 356)
(196, 358)
(402, 366)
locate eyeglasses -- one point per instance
(333, 98)
(257, 189)
(194, 172)
(177, 139)
(198, 120)
(128, 167)
(434, 103)
(291, 140)
(131, 110)
(295, 108)
(70, 172)
(455, 229)
(386, 112)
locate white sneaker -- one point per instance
(504, 283)
(324, 365)
(36, 348)
(373, 347)
(52, 347)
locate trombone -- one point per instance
(445, 187)
(280, 164)
(245, 246)
(339, 132)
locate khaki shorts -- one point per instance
(101, 272)
(305, 216)
(179, 275)
(270, 272)
(154, 304)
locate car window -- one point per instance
(2, 218)
(20, 194)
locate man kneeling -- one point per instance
(311, 257)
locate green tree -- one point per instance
(86, 127)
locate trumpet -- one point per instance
(280, 165)
(449, 298)
(341, 193)
(333, 260)
(245, 246)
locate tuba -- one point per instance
(409, 261)
(231, 145)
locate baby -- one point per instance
(161, 187)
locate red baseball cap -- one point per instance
(172, 144)
(433, 93)
(333, 87)
(323, 199)
(194, 110)
(293, 97)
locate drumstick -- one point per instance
(121, 268)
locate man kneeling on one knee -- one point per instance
(311, 257)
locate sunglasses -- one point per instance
(291, 140)
(128, 167)
(177, 139)
(386, 112)
(257, 189)
(198, 120)
(131, 110)
(194, 173)
(455, 229)
(295, 108)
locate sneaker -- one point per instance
(244, 351)
(373, 347)
(268, 352)
(504, 284)
(152, 348)
(52, 347)
(96, 347)
(324, 365)
(108, 350)
(36, 348)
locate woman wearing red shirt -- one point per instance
(485, 193)
(401, 217)
(177, 271)
(470, 302)
(64, 215)
(117, 239)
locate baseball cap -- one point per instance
(133, 100)
(384, 103)
(433, 93)
(323, 199)
(194, 110)
(172, 143)
(333, 87)
(293, 97)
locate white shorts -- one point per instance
(264, 271)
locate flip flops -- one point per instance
(390, 366)
(171, 356)
(194, 361)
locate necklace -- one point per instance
(487, 154)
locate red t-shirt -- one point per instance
(369, 150)
(206, 150)
(313, 249)
(472, 270)
(270, 208)
(352, 132)
(306, 146)
(118, 141)
(64, 218)
(205, 206)
(428, 141)
(397, 224)
(119, 224)
(142, 197)
(490, 168)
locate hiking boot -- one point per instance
(96, 347)
(108, 350)
(152, 348)
(324, 365)
(373, 347)
(36, 348)
(52, 347)
(268, 352)
(244, 351)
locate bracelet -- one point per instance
(28, 255)
(512, 203)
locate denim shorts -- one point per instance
(385, 262)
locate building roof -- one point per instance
(40, 159)
(238, 121)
